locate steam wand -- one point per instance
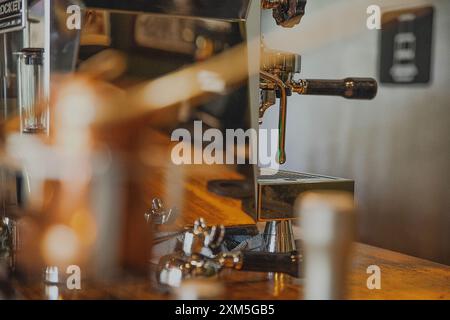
(277, 80)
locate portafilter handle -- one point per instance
(288, 263)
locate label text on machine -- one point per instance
(12, 15)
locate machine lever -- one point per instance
(349, 88)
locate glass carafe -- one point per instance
(33, 104)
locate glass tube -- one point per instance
(32, 101)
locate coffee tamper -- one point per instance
(328, 225)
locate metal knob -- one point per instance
(203, 239)
(287, 13)
(51, 275)
(158, 214)
(280, 63)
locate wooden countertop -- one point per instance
(402, 277)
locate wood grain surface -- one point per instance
(402, 277)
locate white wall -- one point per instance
(396, 147)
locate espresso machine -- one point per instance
(157, 38)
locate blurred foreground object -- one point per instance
(328, 224)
